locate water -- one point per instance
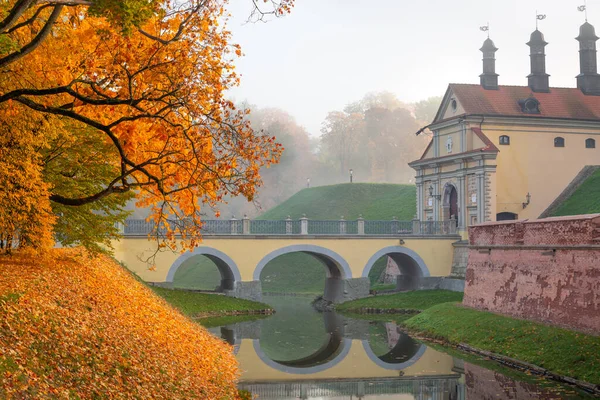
(301, 354)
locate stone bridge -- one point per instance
(348, 250)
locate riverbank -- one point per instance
(404, 302)
(549, 350)
(203, 305)
(555, 353)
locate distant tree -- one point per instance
(385, 100)
(425, 110)
(342, 137)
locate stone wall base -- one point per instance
(341, 290)
(250, 290)
(409, 283)
(460, 259)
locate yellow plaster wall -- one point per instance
(454, 132)
(253, 369)
(248, 252)
(532, 164)
(449, 112)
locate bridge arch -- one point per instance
(335, 264)
(402, 356)
(330, 354)
(411, 265)
(230, 274)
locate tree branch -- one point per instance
(29, 47)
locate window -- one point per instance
(590, 144)
(530, 105)
(559, 142)
(505, 140)
(453, 104)
(506, 216)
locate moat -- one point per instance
(299, 353)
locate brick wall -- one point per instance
(545, 270)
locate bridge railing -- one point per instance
(303, 226)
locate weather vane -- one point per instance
(583, 8)
(485, 28)
(538, 18)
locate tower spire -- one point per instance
(538, 79)
(588, 79)
(489, 77)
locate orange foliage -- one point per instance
(77, 327)
(157, 96)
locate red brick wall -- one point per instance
(482, 384)
(545, 270)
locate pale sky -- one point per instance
(328, 53)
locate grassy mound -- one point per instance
(77, 327)
(559, 350)
(373, 201)
(585, 200)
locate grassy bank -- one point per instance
(585, 200)
(561, 351)
(373, 201)
(417, 301)
(196, 304)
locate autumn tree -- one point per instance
(130, 96)
(375, 137)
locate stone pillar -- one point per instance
(395, 225)
(245, 225)
(250, 290)
(361, 225)
(416, 226)
(288, 226)
(233, 225)
(342, 225)
(304, 225)
(480, 198)
(340, 290)
(120, 228)
(462, 204)
(420, 198)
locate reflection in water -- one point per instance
(301, 354)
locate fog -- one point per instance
(327, 53)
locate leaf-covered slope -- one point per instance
(77, 327)
(372, 201)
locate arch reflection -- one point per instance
(403, 353)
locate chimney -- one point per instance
(489, 78)
(588, 81)
(538, 80)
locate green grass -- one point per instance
(191, 303)
(585, 200)
(199, 273)
(561, 351)
(417, 300)
(294, 273)
(373, 201)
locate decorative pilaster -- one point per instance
(462, 203)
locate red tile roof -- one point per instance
(561, 103)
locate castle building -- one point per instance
(507, 152)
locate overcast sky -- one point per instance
(328, 53)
